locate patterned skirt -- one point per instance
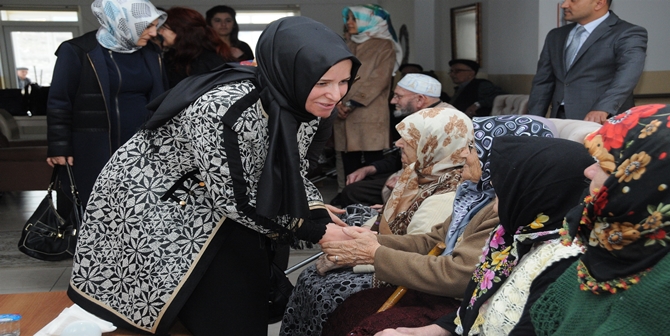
(315, 297)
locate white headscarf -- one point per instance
(123, 21)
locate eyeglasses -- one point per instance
(455, 71)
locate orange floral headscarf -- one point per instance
(439, 135)
(626, 222)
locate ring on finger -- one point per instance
(336, 258)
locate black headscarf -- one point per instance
(293, 53)
(537, 181)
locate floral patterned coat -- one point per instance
(158, 204)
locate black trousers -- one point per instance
(355, 160)
(232, 297)
(367, 191)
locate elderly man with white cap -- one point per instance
(413, 93)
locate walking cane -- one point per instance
(401, 290)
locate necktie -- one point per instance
(573, 46)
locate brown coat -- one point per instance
(403, 260)
(367, 127)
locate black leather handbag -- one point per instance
(47, 235)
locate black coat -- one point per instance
(80, 98)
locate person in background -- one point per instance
(361, 131)
(413, 93)
(191, 46)
(222, 19)
(620, 285)
(184, 218)
(22, 79)
(473, 96)
(588, 69)
(102, 82)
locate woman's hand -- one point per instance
(60, 160)
(429, 330)
(332, 211)
(358, 250)
(324, 265)
(333, 233)
(342, 111)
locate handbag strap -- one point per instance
(73, 186)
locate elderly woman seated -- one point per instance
(620, 285)
(402, 260)
(537, 182)
(431, 141)
(447, 276)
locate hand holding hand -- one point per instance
(359, 250)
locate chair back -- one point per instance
(510, 104)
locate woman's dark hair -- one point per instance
(193, 36)
(209, 15)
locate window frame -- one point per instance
(7, 61)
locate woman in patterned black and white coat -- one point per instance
(182, 218)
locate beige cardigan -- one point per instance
(367, 127)
(402, 260)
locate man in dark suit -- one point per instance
(588, 69)
(472, 96)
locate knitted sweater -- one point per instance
(564, 309)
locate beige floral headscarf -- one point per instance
(439, 135)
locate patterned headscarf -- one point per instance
(373, 21)
(537, 180)
(472, 197)
(122, 22)
(626, 222)
(439, 135)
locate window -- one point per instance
(252, 23)
(29, 40)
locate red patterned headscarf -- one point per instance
(626, 222)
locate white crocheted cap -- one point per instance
(421, 84)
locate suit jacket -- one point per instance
(478, 90)
(602, 76)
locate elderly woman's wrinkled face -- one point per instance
(408, 152)
(472, 170)
(597, 175)
(328, 91)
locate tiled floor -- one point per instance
(16, 208)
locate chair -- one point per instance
(510, 104)
(574, 130)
